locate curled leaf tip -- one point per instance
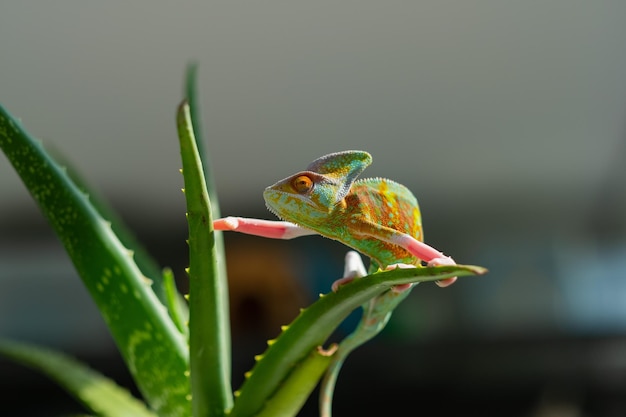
(183, 104)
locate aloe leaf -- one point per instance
(298, 386)
(191, 92)
(98, 393)
(315, 324)
(153, 349)
(193, 101)
(209, 335)
(176, 306)
(147, 265)
(191, 95)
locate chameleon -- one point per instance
(377, 217)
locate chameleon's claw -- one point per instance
(342, 281)
(226, 223)
(443, 262)
(446, 282)
(400, 287)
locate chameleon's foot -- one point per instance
(352, 269)
(341, 281)
(400, 287)
(443, 262)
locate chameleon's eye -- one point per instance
(302, 184)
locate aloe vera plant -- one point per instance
(177, 352)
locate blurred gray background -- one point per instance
(506, 119)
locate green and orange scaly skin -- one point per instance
(377, 217)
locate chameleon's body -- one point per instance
(377, 217)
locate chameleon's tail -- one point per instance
(328, 384)
(376, 314)
(366, 329)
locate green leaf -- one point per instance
(175, 304)
(193, 101)
(154, 350)
(191, 95)
(315, 324)
(142, 258)
(98, 393)
(191, 92)
(209, 338)
(298, 386)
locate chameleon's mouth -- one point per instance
(272, 199)
(272, 210)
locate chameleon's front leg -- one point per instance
(353, 268)
(263, 228)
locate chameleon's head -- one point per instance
(305, 198)
(308, 197)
